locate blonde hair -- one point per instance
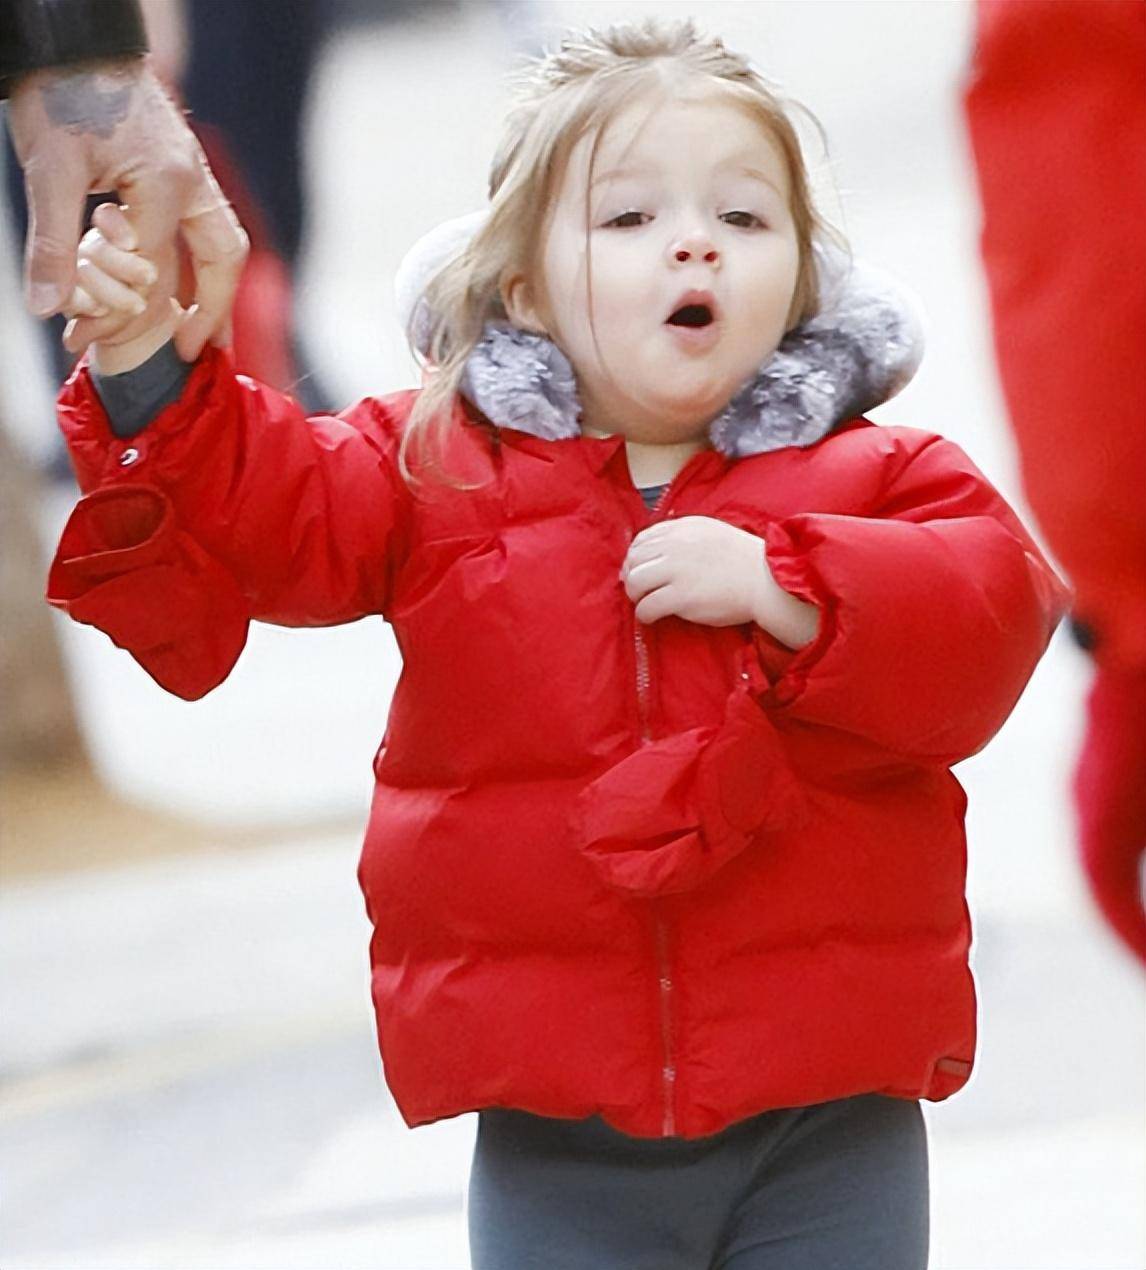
(559, 98)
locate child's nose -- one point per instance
(698, 248)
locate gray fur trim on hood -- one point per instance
(862, 348)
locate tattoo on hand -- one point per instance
(87, 101)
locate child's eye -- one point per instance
(632, 220)
(623, 215)
(751, 216)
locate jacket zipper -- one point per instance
(668, 1069)
(642, 648)
(642, 682)
(664, 969)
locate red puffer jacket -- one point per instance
(674, 875)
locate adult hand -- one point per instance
(109, 126)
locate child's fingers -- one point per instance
(82, 331)
(83, 305)
(109, 291)
(118, 326)
(119, 293)
(111, 220)
(127, 266)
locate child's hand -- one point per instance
(133, 298)
(713, 573)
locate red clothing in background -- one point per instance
(1056, 107)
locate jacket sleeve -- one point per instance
(935, 610)
(36, 34)
(230, 505)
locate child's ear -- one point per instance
(520, 303)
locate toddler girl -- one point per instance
(665, 861)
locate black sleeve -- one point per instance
(38, 33)
(132, 399)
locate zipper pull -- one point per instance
(750, 671)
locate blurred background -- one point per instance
(191, 1077)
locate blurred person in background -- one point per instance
(87, 115)
(245, 77)
(1056, 107)
(588, 827)
(243, 71)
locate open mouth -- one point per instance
(694, 310)
(692, 315)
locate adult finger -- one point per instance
(56, 194)
(217, 246)
(152, 208)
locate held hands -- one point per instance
(132, 297)
(710, 572)
(109, 125)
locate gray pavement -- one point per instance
(191, 1080)
(191, 1075)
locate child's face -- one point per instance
(689, 219)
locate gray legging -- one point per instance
(837, 1186)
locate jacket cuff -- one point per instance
(792, 567)
(132, 398)
(102, 458)
(123, 566)
(38, 34)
